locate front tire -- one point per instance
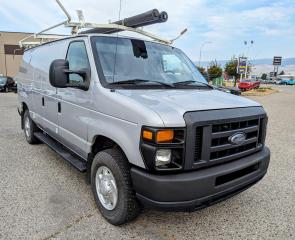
(29, 128)
(112, 187)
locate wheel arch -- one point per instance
(100, 143)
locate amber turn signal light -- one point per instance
(147, 135)
(164, 136)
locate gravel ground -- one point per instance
(42, 197)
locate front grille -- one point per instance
(198, 147)
(208, 132)
(232, 151)
(212, 145)
(221, 147)
(234, 125)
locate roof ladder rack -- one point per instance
(132, 24)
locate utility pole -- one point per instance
(277, 61)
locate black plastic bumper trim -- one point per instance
(197, 204)
(198, 188)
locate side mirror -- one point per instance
(59, 75)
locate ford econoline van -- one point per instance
(143, 124)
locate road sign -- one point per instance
(277, 61)
(242, 65)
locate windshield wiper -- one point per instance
(190, 82)
(133, 81)
(139, 81)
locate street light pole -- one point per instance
(247, 55)
(200, 57)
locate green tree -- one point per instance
(231, 69)
(214, 71)
(264, 76)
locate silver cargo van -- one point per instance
(142, 122)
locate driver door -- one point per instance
(74, 103)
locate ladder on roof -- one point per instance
(131, 24)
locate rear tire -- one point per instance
(115, 188)
(30, 128)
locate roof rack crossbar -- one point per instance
(120, 28)
(131, 24)
(140, 20)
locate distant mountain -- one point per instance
(266, 61)
(267, 68)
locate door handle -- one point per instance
(59, 107)
(43, 102)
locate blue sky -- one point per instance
(227, 24)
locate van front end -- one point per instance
(219, 154)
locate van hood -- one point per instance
(171, 105)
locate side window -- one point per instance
(78, 59)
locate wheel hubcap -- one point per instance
(27, 127)
(106, 188)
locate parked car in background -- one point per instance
(6, 84)
(267, 81)
(281, 81)
(248, 84)
(290, 82)
(14, 87)
(278, 81)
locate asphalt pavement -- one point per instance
(42, 197)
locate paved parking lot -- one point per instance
(42, 197)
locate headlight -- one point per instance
(163, 157)
(163, 148)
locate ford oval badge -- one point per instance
(237, 138)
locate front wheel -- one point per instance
(112, 187)
(29, 128)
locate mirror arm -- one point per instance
(82, 87)
(81, 73)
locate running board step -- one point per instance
(71, 158)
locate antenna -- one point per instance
(132, 24)
(179, 35)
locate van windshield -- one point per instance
(130, 61)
